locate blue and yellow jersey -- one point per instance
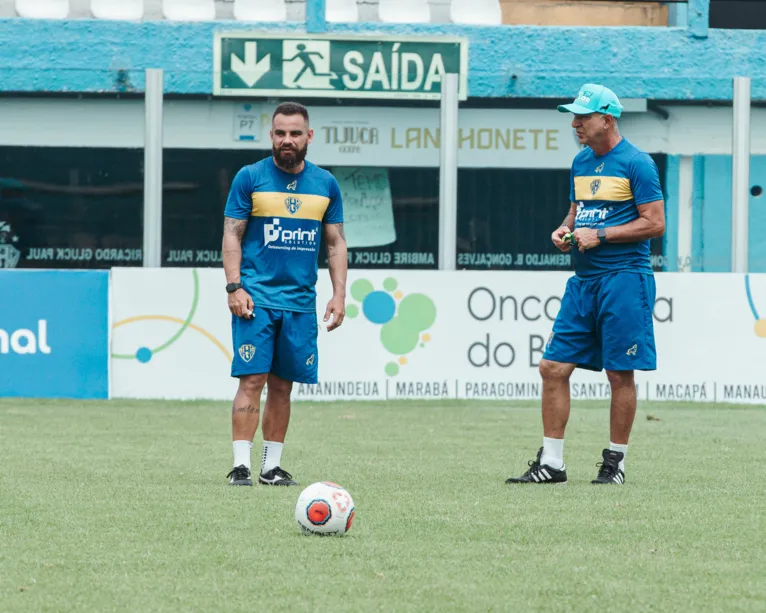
(285, 213)
(607, 191)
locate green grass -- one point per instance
(124, 506)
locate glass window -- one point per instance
(391, 215)
(197, 183)
(71, 207)
(408, 219)
(506, 216)
(738, 14)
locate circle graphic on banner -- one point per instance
(404, 318)
(145, 354)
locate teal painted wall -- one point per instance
(711, 214)
(674, 63)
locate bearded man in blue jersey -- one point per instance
(275, 215)
(605, 320)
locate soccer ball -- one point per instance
(325, 509)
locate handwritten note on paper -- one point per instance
(367, 207)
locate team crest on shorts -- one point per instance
(594, 185)
(293, 204)
(246, 352)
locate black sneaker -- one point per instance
(540, 473)
(277, 476)
(609, 470)
(240, 475)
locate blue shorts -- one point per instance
(276, 341)
(606, 322)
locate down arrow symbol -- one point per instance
(250, 70)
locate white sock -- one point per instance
(242, 453)
(553, 452)
(623, 449)
(272, 455)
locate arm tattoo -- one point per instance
(235, 227)
(331, 236)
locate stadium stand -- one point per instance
(471, 12)
(129, 10)
(477, 12)
(404, 11)
(342, 11)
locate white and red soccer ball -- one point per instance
(324, 508)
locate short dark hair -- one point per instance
(291, 108)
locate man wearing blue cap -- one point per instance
(605, 319)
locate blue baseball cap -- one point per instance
(594, 98)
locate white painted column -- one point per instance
(685, 204)
(740, 174)
(153, 99)
(448, 173)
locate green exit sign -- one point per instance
(246, 63)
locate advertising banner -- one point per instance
(440, 335)
(367, 135)
(54, 334)
(407, 137)
(171, 334)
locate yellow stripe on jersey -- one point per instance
(295, 206)
(616, 189)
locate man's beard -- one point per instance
(293, 158)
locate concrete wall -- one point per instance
(583, 13)
(504, 61)
(711, 214)
(657, 63)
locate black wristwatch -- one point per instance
(601, 235)
(233, 287)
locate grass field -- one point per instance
(124, 506)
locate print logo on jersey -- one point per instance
(246, 352)
(594, 185)
(292, 204)
(291, 240)
(271, 232)
(600, 167)
(291, 187)
(588, 216)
